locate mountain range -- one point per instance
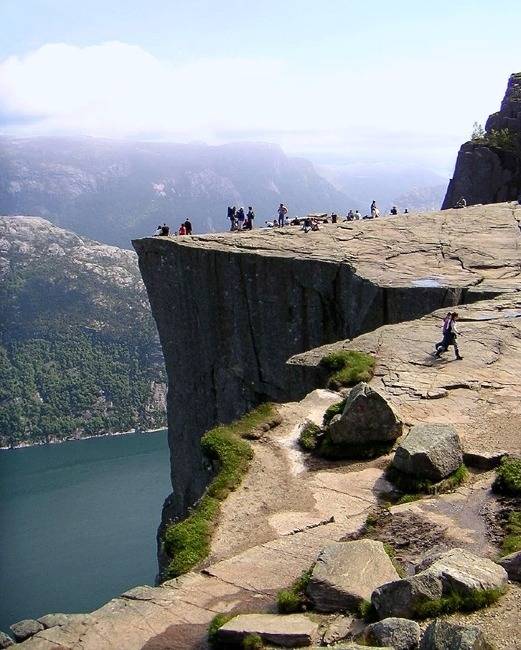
(113, 191)
(79, 352)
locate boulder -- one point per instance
(512, 565)
(26, 628)
(290, 631)
(52, 620)
(443, 635)
(399, 633)
(430, 451)
(346, 573)
(482, 459)
(5, 641)
(456, 570)
(367, 418)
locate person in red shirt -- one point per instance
(182, 229)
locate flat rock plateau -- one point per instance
(245, 317)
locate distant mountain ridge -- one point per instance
(79, 353)
(113, 191)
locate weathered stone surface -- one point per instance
(290, 631)
(485, 173)
(50, 620)
(347, 573)
(26, 628)
(483, 459)
(399, 633)
(345, 280)
(430, 451)
(401, 597)
(5, 640)
(444, 635)
(512, 565)
(455, 570)
(367, 418)
(339, 628)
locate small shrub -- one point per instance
(410, 484)
(294, 599)
(512, 541)
(308, 437)
(367, 612)
(252, 642)
(508, 476)
(334, 409)
(408, 498)
(456, 602)
(216, 623)
(348, 367)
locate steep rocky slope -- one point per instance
(112, 191)
(231, 309)
(78, 350)
(488, 168)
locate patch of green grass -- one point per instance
(338, 451)
(308, 437)
(252, 642)
(367, 612)
(512, 541)
(408, 498)
(348, 367)
(400, 569)
(216, 623)
(294, 599)
(188, 541)
(411, 485)
(457, 602)
(508, 476)
(334, 409)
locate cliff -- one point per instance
(488, 168)
(232, 308)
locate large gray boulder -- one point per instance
(512, 565)
(429, 451)
(443, 635)
(399, 633)
(290, 631)
(346, 573)
(367, 418)
(456, 570)
(5, 641)
(26, 628)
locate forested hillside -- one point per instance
(79, 353)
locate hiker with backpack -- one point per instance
(450, 336)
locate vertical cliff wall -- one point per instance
(231, 310)
(488, 168)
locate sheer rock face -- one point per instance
(485, 173)
(232, 308)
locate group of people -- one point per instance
(240, 220)
(184, 229)
(449, 336)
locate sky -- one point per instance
(337, 81)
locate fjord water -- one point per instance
(78, 522)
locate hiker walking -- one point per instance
(282, 212)
(450, 337)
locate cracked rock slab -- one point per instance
(290, 631)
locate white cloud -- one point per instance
(119, 90)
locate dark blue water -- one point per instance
(78, 522)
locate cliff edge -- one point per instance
(232, 308)
(488, 167)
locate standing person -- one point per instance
(188, 226)
(373, 209)
(250, 216)
(450, 338)
(182, 229)
(231, 217)
(394, 210)
(240, 218)
(282, 212)
(444, 330)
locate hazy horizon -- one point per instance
(347, 83)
